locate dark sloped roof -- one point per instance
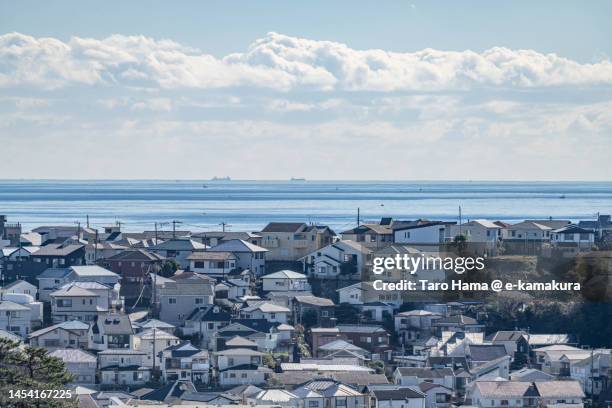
(398, 394)
(487, 352)
(283, 227)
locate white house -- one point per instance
(398, 397)
(573, 238)
(415, 375)
(79, 363)
(123, 367)
(285, 280)
(240, 366)
(247, 255)
(352, 294)
(15, 318)
(344, 257)
(19, 287)
(153, 341)
(266, 310)
(73, 302)
(424, 235)
(216, 264)
(70, 334)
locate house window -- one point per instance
(504, 403)
(232, 375)
(324, 313)
(243, 375)
(407, 234)
(199, 301)
(313, 404)
(568, 237)
(440, 397)
(584, 236)
(341, 402)
(198, 264)
(171, 301)
(211, 326)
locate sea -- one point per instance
(243, 205)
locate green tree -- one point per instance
(169, 267)
(268, 361)
(31, 368)
(347, 313)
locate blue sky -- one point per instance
(325, 90)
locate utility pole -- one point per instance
(223, 225)
(154, 356)
(87, 216)
(174, 222)
(78, 223)
(96, 247)
(358, 220)
(460, 228)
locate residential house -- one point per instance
(152, 342)
(214, 238)
(482, 237)
(214, 264)
(374, 339)
(134, 266)
(277, 398)
(73, 301)
(524, 394)
(123, 367)
(260, 331)
(436, 395)
(602, 226)
(515, 342)
(204, 323)
(415, 325)
(95, 251)
(526, 237)
(182, 294)
(60, 255)
(240, 366)
(343, 258)
(247, 255)
(415, 376)
(15, 318)
(79, 363)
(9, 232)
(332, 392)
(178, 249)
(19, 287)
(549, 358)
(351, 294)
(283, 281)
(320, 310)
(342, 348)
(290, 241)
(424, 235)
(266, 310)
(69, 334)
(184, 361)
(109, 331)
(370, 235)
(233, 289)
(593, 372)
(398, 397)
(572, 239)
(50, 280)
(458, 323)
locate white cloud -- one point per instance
(283, 63)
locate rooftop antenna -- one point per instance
(224, 224)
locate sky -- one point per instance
(422, 90)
